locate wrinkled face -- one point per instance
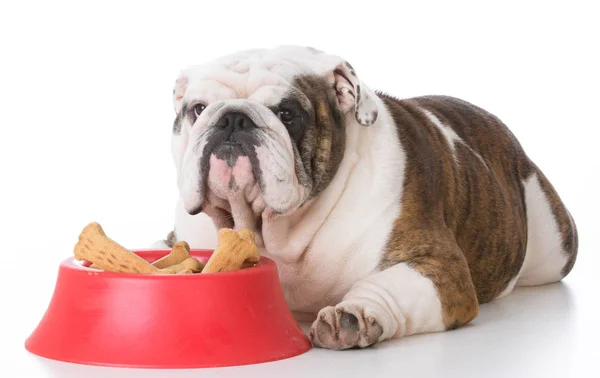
(259, 133)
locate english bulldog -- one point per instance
(386, 217)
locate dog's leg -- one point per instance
(166, 243)
(428, 292)
(552, 239)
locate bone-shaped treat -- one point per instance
(106, 254)
(179, 253)
(190, 265)
(234, 251)
(187, 271)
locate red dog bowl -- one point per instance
(167, 321)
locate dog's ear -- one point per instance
(179, 91)
(353, 94)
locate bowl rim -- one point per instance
(264, 265)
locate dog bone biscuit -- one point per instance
(94, 246)
(186, 271)
(179, 253)
(191, 263)
(235, 249)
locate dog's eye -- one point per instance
(199, 109)
(286, 116)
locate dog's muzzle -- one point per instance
(234, 137)
(243, 154)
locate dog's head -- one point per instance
(263, 131)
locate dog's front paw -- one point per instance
(345, 326)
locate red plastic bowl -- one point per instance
(168, 321)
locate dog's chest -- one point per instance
(348, 246)
(324, 274)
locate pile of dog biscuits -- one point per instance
(236, 250)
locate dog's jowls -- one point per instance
(386, 217)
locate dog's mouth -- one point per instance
(230, 169)
(233, 190)
(242, 175)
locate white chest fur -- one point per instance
(338, 238)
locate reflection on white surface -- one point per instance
(532, 332)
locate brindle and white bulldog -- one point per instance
(386, 217)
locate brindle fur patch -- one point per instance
(179, 120)
(171, 239)
(322, 148)
(463, 223)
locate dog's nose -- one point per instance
(235, 121)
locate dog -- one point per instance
(386, 217)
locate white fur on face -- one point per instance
(280, 189)
(246, 82)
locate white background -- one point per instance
(86, 117)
